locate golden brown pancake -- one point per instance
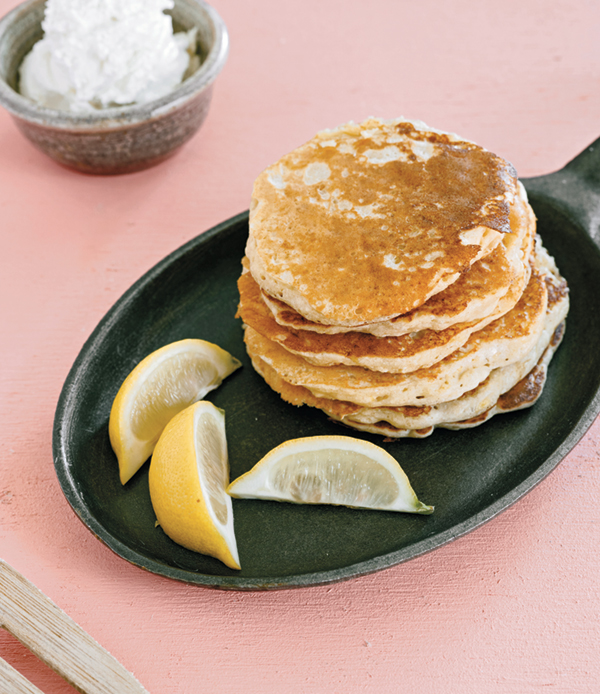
(522, 395)
(506, 267)
(400, 354)
(505, 341)
(473, 296)
(506, 389)
(366, 222)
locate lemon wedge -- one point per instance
(162, 385)
(337, 470)
(189, 472)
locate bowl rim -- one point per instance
(25, 109)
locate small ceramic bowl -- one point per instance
(113, 140)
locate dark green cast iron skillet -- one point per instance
(470, 476)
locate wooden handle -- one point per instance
(12, 681)
(32, 618)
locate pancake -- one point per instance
(506, 389)
(367, 222)
(507, 267)
(400, 354)
(522, 395)
(475, 295)
(505, 341)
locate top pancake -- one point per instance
(366, 222)
(476, 294)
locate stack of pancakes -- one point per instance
(393, 278)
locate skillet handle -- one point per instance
(576, 188)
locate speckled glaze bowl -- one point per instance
(113, 140)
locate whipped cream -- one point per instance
(102, 53)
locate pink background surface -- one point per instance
(514, 606)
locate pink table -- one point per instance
(513, 607)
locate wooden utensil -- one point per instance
(41, 626)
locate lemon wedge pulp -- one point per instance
(189, 472)
(160, 386)
(339, 470)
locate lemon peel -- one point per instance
(163, 384)
(189, 472)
